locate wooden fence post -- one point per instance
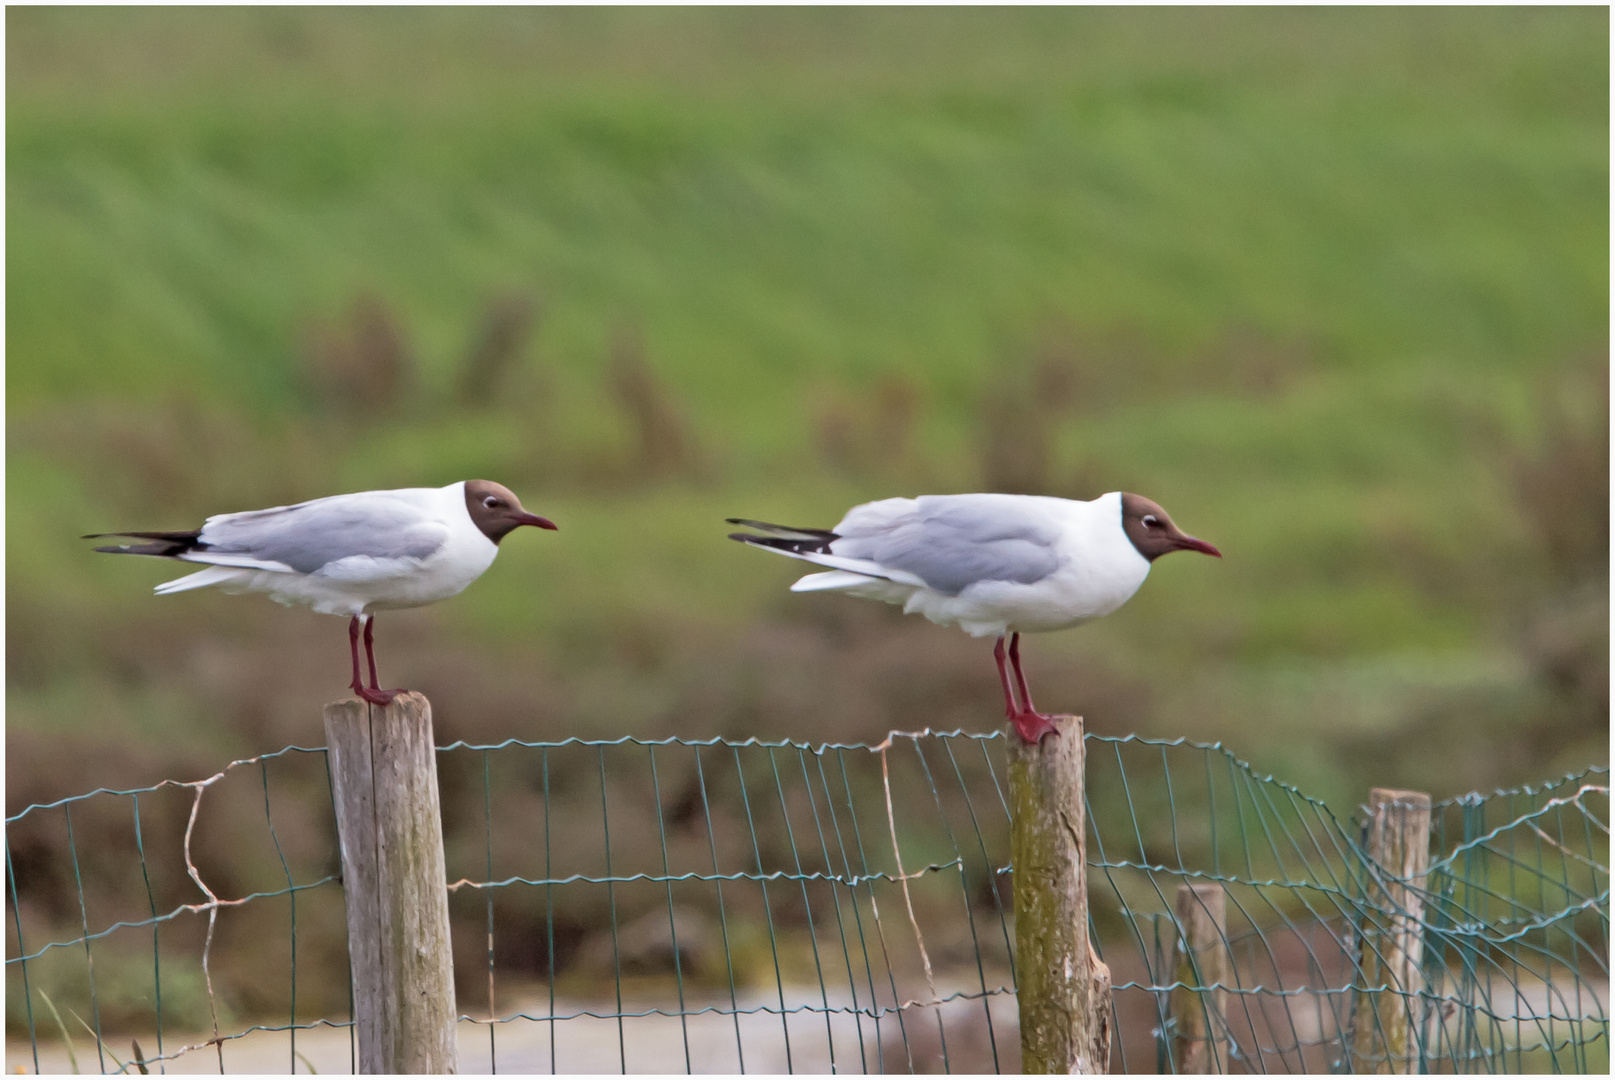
(1063, 986)
(1392, 947)
(384, 776)
(1200, 959)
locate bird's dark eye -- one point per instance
(1151, 521)
(492, 501)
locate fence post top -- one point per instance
(1201, 889)
(1419, 800)
(406, 701)
(1067, 726)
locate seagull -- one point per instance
(993, 565)
(348, 555)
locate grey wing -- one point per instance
(314, 534)
(954, 541)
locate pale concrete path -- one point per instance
(708, 1042)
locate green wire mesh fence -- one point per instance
(685, 905)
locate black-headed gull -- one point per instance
(993, 565)
(349, 555)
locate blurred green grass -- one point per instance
(1332, 285)
(1318, 281)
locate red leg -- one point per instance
(353, 645)
(1030, 724)
(1010, 708)
(372, 693)
(370, 649)
(1015, 662)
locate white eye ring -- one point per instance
(491, 501)
(1150, 521)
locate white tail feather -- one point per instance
(834, 579)
(213, 575)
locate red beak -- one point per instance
(534, 519)
(1189, 543)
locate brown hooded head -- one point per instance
(1152, 531)
(496, 511)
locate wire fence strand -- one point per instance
(718, 905)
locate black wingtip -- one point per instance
(783, 543)
(165, 544)
(160, 548)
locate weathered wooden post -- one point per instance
(1063, 986)
(384, 776)
(1392, 947)
(1200, 960)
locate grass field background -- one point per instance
(1331, 285)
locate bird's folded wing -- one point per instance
(391, 534)
(954, 541)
